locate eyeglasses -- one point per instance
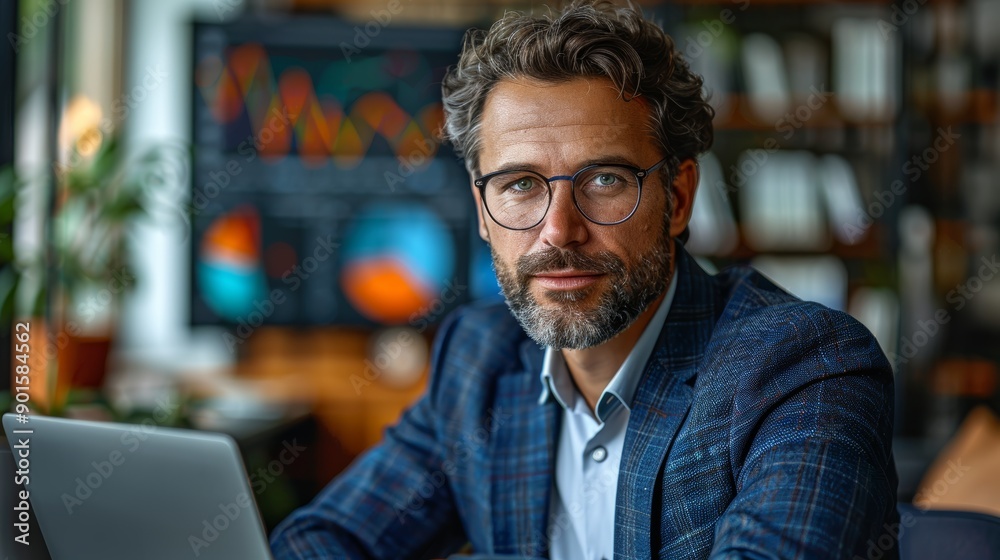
(606, 194)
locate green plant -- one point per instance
(8, 275)
(98, 203)
(99, 199)
(100, 196)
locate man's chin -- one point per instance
(571, 325)
(562, 297)
(568, 332)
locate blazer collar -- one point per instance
(522, 460)
(661, 404)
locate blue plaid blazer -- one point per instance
(761, 428)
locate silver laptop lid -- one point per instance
(121, 491)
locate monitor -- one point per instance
(320, 192)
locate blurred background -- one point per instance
(236, 216)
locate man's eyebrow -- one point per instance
(618, 160)
(514, 166)
(525, 166)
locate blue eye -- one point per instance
(605, 180)
(523, 184)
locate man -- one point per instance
(633, 406)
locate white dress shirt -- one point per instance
(582, 510)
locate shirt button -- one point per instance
(599, 454)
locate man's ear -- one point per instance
(685, 184)
(483, 232)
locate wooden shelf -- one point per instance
(870, 248)
(740, 116)
(978, 106)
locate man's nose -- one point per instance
(564, 226)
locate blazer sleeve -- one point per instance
(816, 478)
(393, 502)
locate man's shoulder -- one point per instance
(479, 336)
(482, 323)
(766, 337)
(746, 290)
(754, 305)
(477, 344)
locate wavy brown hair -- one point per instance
(585, 39)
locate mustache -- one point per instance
(559, 259)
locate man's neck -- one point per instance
(593, 368)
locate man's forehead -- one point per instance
(533, 114)
(524, 103)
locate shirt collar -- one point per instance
(556, 381)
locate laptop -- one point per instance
(121, 491)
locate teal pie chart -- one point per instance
(397, 261)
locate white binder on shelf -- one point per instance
(713, 228)
(781, 207)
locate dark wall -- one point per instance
(8, 19)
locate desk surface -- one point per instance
(328, 371)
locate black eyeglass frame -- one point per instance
(639, 173)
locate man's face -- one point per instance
(572, 283)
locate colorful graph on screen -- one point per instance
(322, 109)
(304, 151)
(229, 268)
(397, 260)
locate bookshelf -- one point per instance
(934, 145)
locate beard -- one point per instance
(628, 290)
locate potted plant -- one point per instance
(100, 194)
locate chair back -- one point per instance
(945, 535)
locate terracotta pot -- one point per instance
(83, 361)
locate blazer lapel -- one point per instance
(660, 406)
(523, 454)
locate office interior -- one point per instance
(236, 215)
